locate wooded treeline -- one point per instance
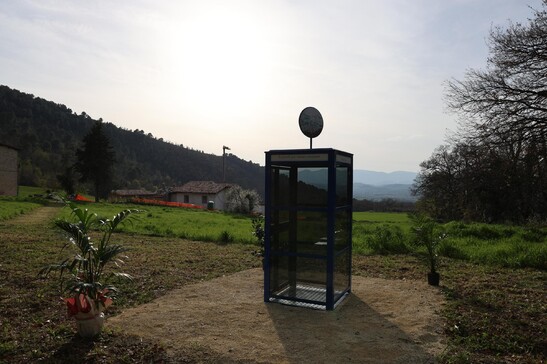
(495, 167)
(48, 135)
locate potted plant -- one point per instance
(84, 276)
(427, 234)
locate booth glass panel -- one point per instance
(298, 278)
(342, 197)
(311, 232)
(279, 273)
(280, 192)
(279, 230)
(311, 271)
(312, 187)
(342, 233)
(341, 273)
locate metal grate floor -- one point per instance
(304, 292)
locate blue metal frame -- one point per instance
(291, 160)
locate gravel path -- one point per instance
(382, 321)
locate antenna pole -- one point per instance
(224, 148)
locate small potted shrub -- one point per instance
(427, 234)
(83, 275)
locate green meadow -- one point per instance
(373, 232)
(500, 245)
(173, 222)
(11, 206)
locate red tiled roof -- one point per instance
(132, 193)
(205, 187)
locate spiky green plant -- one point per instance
(84, 273)
(427, 234)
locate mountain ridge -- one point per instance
(375, 178)
(399, 192)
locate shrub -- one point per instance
(387, 239)
(534, 235)
(258, 232)
(483, 232)
(450, 250)
(535, 258)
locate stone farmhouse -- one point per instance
(201, 193)
(9, 170)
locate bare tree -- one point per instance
(509, 99)
(496, 166)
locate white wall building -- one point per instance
(200, 193)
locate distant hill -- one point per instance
(399, 192)
(378, 186)
(383, 178)
(48, 135)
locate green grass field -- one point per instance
(382, 218)
(11, 206)
(373, 232)
(191, 224)
(501, 245)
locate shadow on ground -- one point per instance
(353, 333)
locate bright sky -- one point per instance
(210, 73)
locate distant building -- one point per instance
(200, 193)
(125, 195)
(9, 170)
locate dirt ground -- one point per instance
(381, 321)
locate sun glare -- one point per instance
(216, 61)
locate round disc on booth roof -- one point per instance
(311, 122)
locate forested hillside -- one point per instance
(48, 135)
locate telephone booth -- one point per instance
(308, 220)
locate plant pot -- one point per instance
(90, 327)
(433, 278)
